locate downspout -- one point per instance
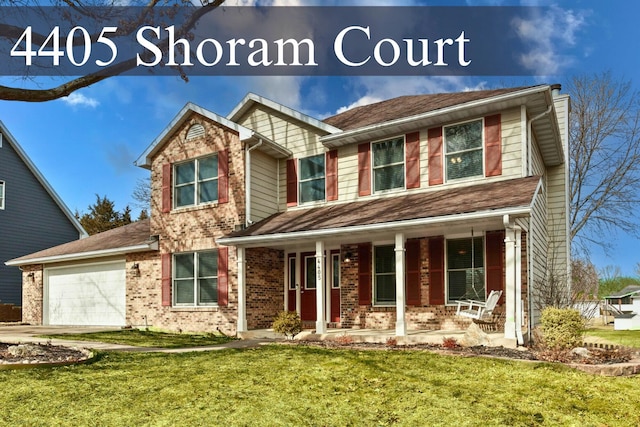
(511, 237)
(529, 127)
(247, 186)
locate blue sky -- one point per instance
(86, 144)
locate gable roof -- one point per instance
(6, 137)
(512, 196)
(625, 292)
(409, 113)
(134, 237)
(252, 99)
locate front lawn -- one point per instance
(281, 385)
(625, 338)
(141, 338)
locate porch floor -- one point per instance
(381, 335)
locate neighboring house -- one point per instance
(383, 216)
(32, 215)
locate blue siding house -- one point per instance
(32, 215)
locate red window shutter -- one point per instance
(436, 270)
(332, 175)
(223, 276)
(412, 164)
(166, 187)
(292, 182)
(435, 156)
(364, 274)
(412, 252)
(165, 261)
(493, 145)
(364, 169)
(494, 247)
(223, 176)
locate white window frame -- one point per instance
(374, 275)
(3, 194)
(446, 155)
(482, 236)
(403, 163)
(196, 183)
(302, 181)
(196, 278)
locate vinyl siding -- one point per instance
(264, 185)
(31, 221)
(538, 245)
(512, 142)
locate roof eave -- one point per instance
(369, 228)
(153, 246)
(43, 181)
(144, 160)
(431, 118)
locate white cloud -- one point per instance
(548, 32)
(78, 99)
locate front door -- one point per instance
(309, 285)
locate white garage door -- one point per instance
(91, 295)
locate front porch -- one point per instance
(436, 337)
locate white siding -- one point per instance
(264, 185)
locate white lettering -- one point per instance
(338, 42)
(155, 50)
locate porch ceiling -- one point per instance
(476, 204)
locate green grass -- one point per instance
(625, 338)
(302, 386)
(140, 338)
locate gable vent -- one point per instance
(195, 131)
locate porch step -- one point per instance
(260, 334)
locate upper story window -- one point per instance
(195, 280)
(465, 269)
(312, 178)
(463, 150)
(196, 181)
(388, 164)
(1, 194)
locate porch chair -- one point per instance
(479, 309)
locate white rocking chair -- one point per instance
(479, 309)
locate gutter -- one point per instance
(86, 255)
(529, 139)
(369, 228)
(247, 185)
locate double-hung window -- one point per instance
(384, 275)
(465, 269)
(312, 178)
(1, 194)
(388, 164)
(463, 150)
(196, 181)
(195, 280)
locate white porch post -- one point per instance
(401, 326)
(242, 292)
(321, 323)
(510, 284)
(518, 287)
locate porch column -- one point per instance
(518, 261)
(510, 284)
(242, 292)
(321, 323)
(401, 326)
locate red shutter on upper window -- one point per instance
(494, 247)
(223, 176)
(436, 270)
(364, 274)
(332, 175)
(166, 187)
(223, 276)
(412, 164)
(165, 274)
(364, 169)
(412, 252)
(493, 145)
(292, 182)
(435, 156)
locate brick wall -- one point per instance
(32, 294)
(265, 286)
(10, 313)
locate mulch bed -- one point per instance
(29, 354)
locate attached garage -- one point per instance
(88, 294)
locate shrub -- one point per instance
(392, 342)
(449, 342)
(344, 339)
(287, 323)
(562, 328)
